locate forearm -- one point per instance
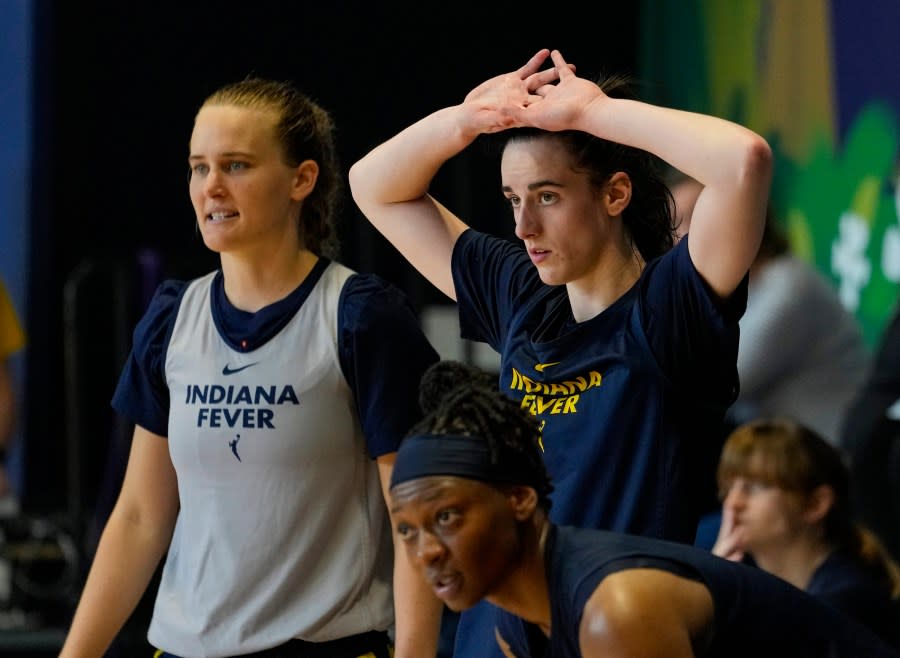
(712, 150)
(417, 612)
(733, 164)
(401, 169)
(126, 559)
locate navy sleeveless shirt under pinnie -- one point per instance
(755, 613)
(274, 420)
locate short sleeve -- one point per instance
(692, 332)
(489, 275)
(383, 354)
(142, 394)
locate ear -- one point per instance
(617, 194)
(305, 176)
(523, 501)
(818, 503)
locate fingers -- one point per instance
(563, 69)
(534, 64)
(727, 523)
(542, 78)
(728, 548)
(543, 90)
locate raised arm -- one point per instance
(733, 164)
(136, 537)
(390, 184)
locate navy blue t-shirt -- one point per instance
(845, 584)
(631, 401)
(755, 613)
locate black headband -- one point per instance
(424, 455)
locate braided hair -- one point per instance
(462, 400)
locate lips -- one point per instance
(221, 215)
(446, 585)
(538, 255)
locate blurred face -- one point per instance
(244, 195)
(559, 215)
(462, 536)
(766, 517)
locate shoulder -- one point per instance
(844, 574)
(616, 617)
(673, 286)
(165, 302)
(367, 300)
(475, 246)
(676, 265)
(365, 285)
(160, 315)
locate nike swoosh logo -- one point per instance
(229, 371)
(540, 366)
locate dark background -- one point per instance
(116, 88)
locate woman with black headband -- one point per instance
(470, 497)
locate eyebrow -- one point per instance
(536, 185)
(429, 496)
(228, 154)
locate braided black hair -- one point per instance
(463, 400)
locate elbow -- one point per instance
(363, 189)
(367, 187)
(756, 162)
(356, 178)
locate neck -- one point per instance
(616, 273)
(525, 593)
(252, 284)
(796, 562)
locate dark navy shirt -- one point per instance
(755, 613)
(631, 401)
(844, 583)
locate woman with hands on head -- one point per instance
(267, 411)
(623, 347)
(470, 497)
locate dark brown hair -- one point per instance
(648, 217)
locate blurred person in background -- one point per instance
(787, 506)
